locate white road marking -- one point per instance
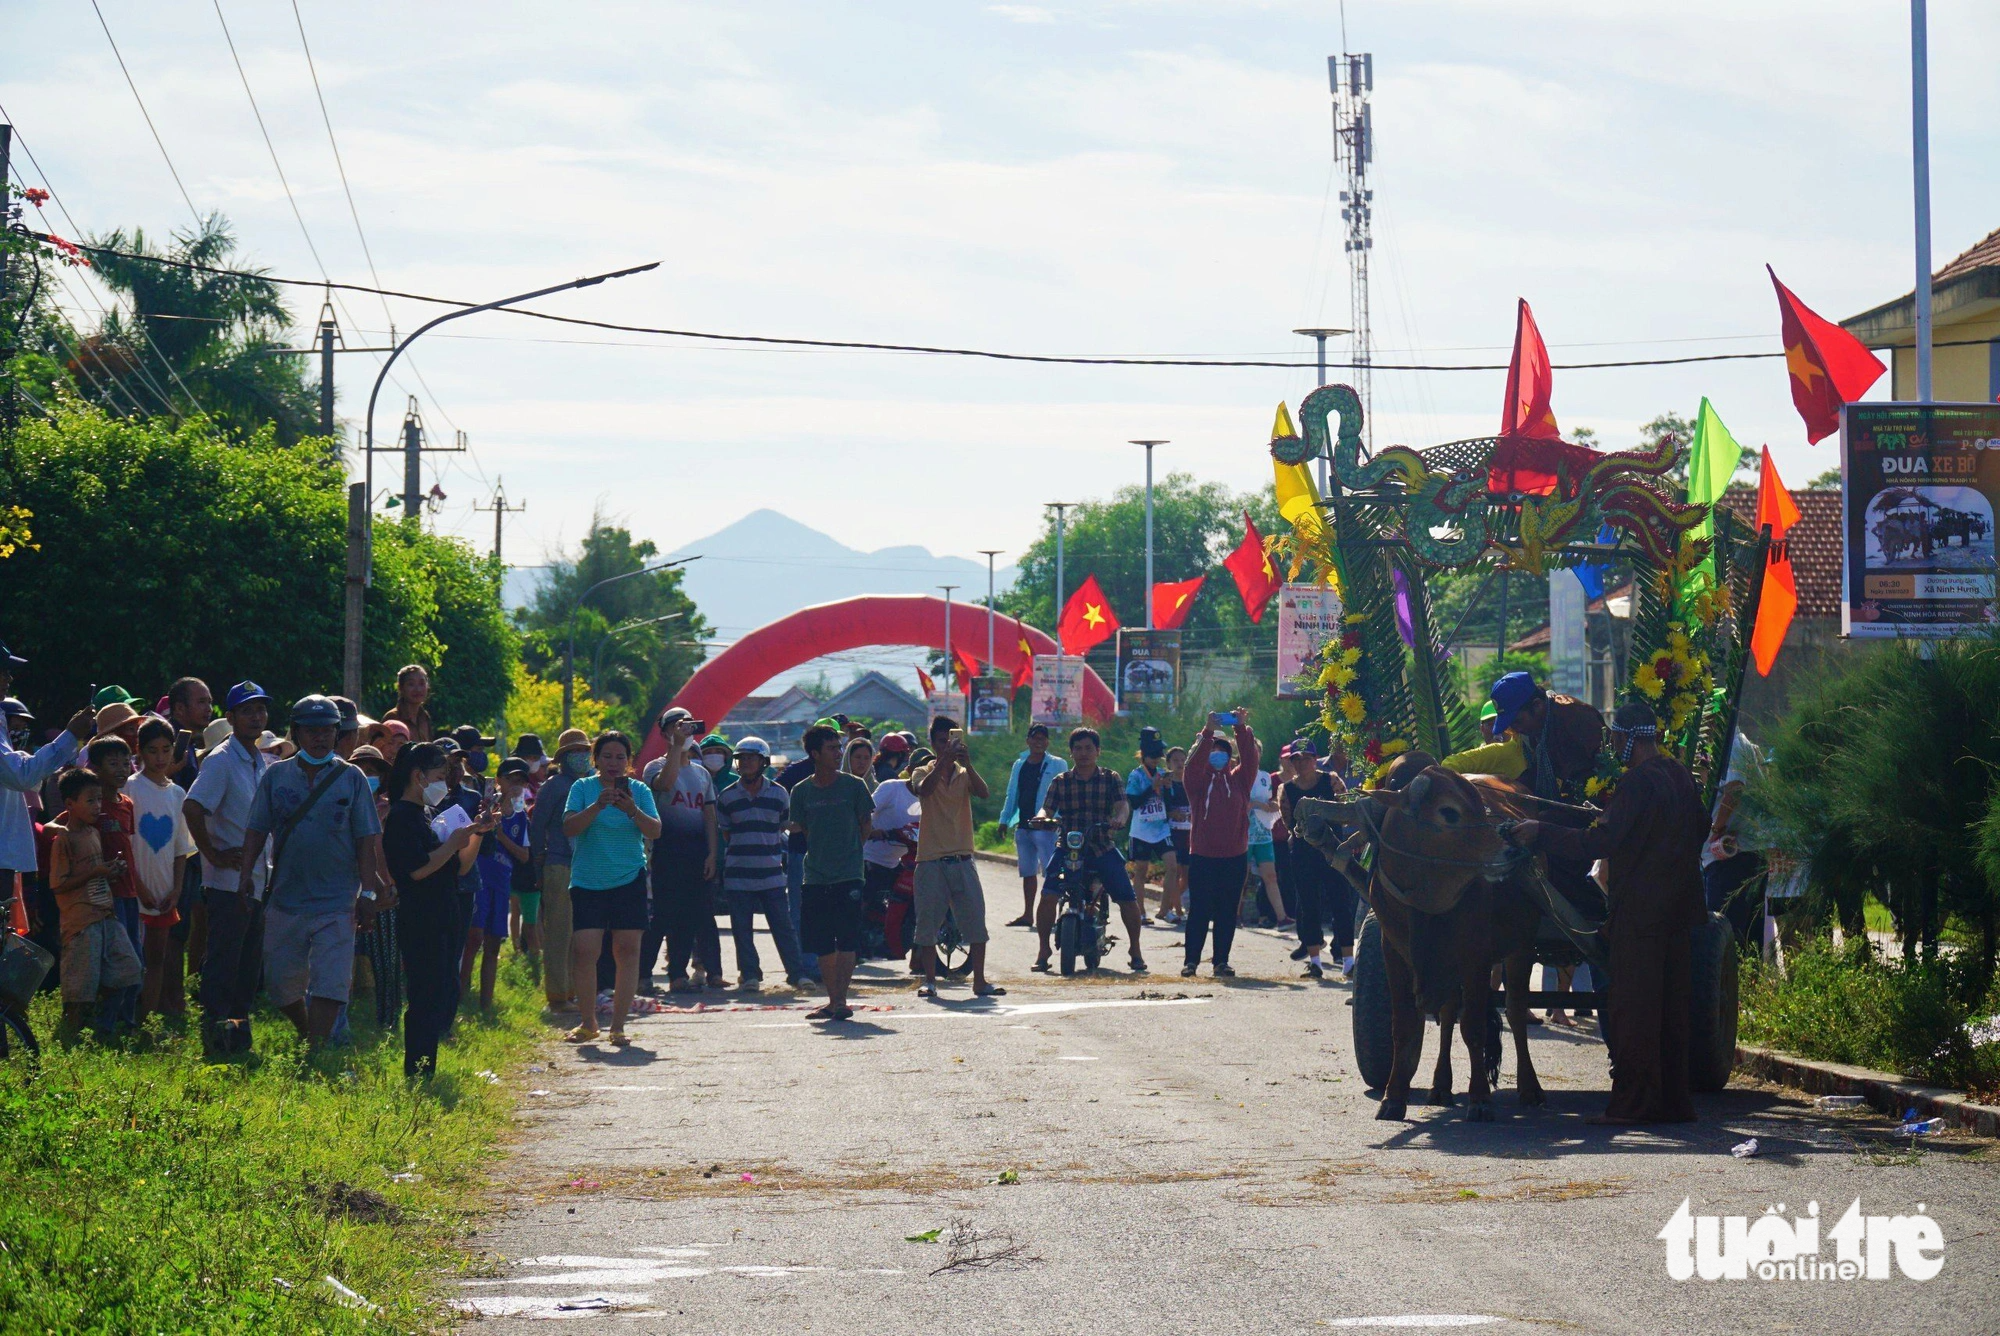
(1416, 1320)
(1075, 1057)
(546, 1306)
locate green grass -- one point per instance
(1850, 1005)
(143, 1189)
(1875, 916)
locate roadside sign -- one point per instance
(1149, 668)
(1308, 617)
(1056, 697)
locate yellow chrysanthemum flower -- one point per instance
(1395, 747)
(1648, 681)
(1353, 707)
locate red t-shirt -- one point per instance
(116, 827)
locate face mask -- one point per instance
(436, 792)
(575, 764)
(713, 764)
(537, 764)
(1219, 759)
(316, 758)
(520, 803)
(476, 762)
(374, 783)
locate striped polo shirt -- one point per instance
(753, 831)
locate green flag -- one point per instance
(1711, 464)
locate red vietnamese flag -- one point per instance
(1780, 598)
(924, 681)
(1173, 601)
(1829, 367)
(1251, 565)
(1024, 671)
(1530, 448)
(968, 668)
(1087, 619)
(1531, 382)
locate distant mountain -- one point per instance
(766, 565)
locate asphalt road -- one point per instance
(1191, 1155)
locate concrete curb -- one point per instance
(1886, 1092)
(988, 856)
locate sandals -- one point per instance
(989, 990)
(1041, 967)
(618, 1039)
(581, 1035)
(928, 991)
(824, 1012)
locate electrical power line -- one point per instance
(158, 142)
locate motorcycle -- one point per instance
(1082, 926)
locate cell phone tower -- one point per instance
(1351, 78)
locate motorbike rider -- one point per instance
(1089, 798)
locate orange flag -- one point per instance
(1780, 598)
(1173, 601)
(1829, 367)
(1251, 565)
(1531, 382)
(924, 681)
(1087, 619)
(1024, 671)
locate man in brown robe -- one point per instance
(1650, 837)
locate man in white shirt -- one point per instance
(218, 811)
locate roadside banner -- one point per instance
(1057, 694)
(1920, 485)
(1308, 617)
(1149, 668)
(947, 703)
(992, 704)
(1569, 664)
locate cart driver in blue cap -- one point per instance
(1561, 735)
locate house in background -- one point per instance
(1965, 331)
(874, 696)
(780, 720)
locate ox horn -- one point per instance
(1419, 789)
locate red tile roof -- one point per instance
(1816, 544)
(1983, 255)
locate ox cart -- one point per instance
(1384, 525)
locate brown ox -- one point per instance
(1450, 908)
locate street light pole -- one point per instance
(1149, 527)
(597, 657)
(1920, 162)
(1061, 508)
(990, 553)
(950, 663)
(362, 565)
(569, 650)
(1320, 336)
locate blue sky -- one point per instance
(1096, 178)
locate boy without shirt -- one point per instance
(97, 957)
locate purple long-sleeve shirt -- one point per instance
(1219, 800)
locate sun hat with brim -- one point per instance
(366, 755)
(397, 727)
(269, 741)
(529, 746)
(111, 695)
(714, 741)
(244, 693)
(754, 746)
(215, 735)
(572, 739)
(115, 716)
(1511, 694)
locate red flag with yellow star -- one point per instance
(1173, 600)
(1024, 671)
(1829, 367)
(1087, 619)
(924, 681)
(966, 667)
(1256, 580)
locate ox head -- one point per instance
(1435, 840)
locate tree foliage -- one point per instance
(647, 660)
(167, 550)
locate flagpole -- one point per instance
(992, 664)
(1920, 157)
(1149, 527)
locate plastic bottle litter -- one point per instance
(1743, 1150)
(1840, 1101)
(1925, 1127)
(348, 1297)
(589, 1305)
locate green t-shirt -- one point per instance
(833, 817)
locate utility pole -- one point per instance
(1061, 508)
(328, 331)
(7, 208)
(501, 510)
(1320, 336)
(950, 662)
(355, 589)
(415, 446)
(1149, 526)
(990, 553)
(1920, 162)
(1352, 78)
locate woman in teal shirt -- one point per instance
(608, 820)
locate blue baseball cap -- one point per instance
(243, 693)
(1510, 695)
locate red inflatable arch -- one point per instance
(856, 623)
